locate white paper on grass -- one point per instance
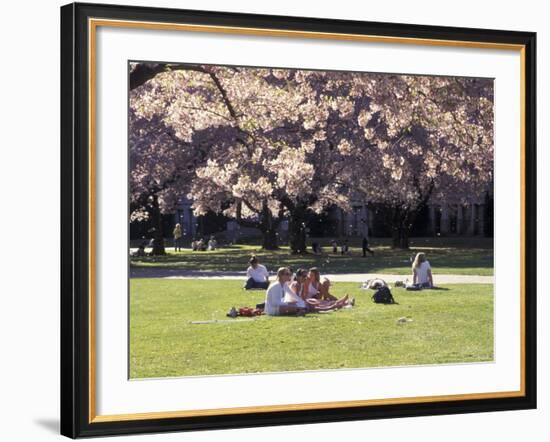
(118, 395)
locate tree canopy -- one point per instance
(260, 144)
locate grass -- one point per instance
(448, 326)
(447, 256)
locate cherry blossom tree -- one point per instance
(288, 159)
(266, 133)
(434, 143)
(155, 157)
(162, 158)
(263, 144)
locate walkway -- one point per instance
(144, 272)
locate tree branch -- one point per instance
(143, 72)
(223, 93)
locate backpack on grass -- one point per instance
(382, 295)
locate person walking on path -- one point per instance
(365, 246)
(344, 249)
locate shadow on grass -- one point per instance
(466, 256)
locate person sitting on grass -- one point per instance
(300, 289)
(317, 288)
(296, 295)
(257, 276)
(274, 304)
(422, 272)
(212, 243)
(198, 245)
(140, 250)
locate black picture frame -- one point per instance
(76, 401)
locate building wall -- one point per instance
(459, 220)
(361, 220)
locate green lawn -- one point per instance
(472, 256)
(448, 326)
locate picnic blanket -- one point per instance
(244, 311)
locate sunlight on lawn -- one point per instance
(446, 326)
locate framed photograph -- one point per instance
(273, 220)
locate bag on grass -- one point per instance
(249, 311)
(246, 311)
(382, 295)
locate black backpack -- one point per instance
(382, 295)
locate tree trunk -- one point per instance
(400, 238)
(269, 240)
(403, 217)
(401, 223)
(158, 240)
(267, 225)
(297, 230)
(269, 234)
(268, 228)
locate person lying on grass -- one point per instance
(274, 304)
(301, 295)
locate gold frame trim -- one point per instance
(93, 24)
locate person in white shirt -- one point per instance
(296, 295)
(422, 272)
(274, 304)
(257, 276)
